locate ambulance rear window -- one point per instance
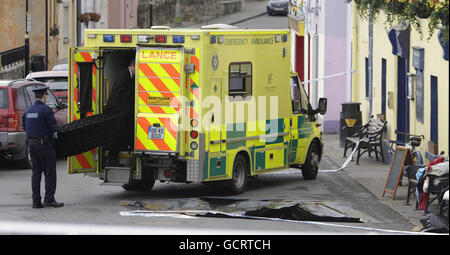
(240, 81)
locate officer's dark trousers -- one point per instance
(43, 159)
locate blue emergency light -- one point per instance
(108, 38)
(178, 39)
(212, 39)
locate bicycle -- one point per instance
(413, 142)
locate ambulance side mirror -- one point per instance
(323, 104)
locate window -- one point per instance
(419, 97)
(240, 81)
(22, 100)
(306, 106)
(52, 102)
(434, 109)
(295, 96)
(66, 23)
(4, 99)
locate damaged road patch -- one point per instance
(243, 208)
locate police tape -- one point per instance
(345, 163)
(193, 214)
(329, 76)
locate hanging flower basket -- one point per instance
(83, 18)
(95, 17)
(439, 18)
(421, 8)
(395, 6)
(398, 11)
(89, 16)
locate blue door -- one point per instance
(434, 110)
(402, 100)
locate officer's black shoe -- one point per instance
(37, 205)
(53, 204)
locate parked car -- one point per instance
(56, 80)
(61, 67)
(15, 98)
(278, 7)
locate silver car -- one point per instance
(278, 7)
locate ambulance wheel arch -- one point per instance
(310, 168)
(240, 173)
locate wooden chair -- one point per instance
(411, 172)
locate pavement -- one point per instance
(372, 175)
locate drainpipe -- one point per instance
(371, 18)
(27, 41)
(355, 55)
(46, 34)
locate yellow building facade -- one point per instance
(425, 112)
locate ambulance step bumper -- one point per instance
(117, 176)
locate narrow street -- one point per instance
(88, 202)
(329, 55)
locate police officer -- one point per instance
(41, 127)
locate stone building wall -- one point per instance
(169, 12)
(13, 72)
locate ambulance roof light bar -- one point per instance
(219, 26)
(145, 38)
(160, 28)
(108, 38)
(161, 38)
(125, 38)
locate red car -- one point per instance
(15, 98)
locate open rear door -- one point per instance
(84, 97)
(159, 86)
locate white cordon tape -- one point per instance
(329, 76)
(173, 214)
(345, 163)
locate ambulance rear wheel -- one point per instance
(240, 175)
(146, 184)
(311, 166)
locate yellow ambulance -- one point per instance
(216, 103)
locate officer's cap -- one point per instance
(41, 89)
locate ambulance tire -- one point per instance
(240, 175)
(146, 184)
(311, 166)
(139, 185)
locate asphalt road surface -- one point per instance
(98, 209)
(89, 203)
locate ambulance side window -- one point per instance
(306, 106)
(295, 96)
(240, 81)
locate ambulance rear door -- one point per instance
(84, 93)
(159, 96)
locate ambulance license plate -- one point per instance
(156, 133)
